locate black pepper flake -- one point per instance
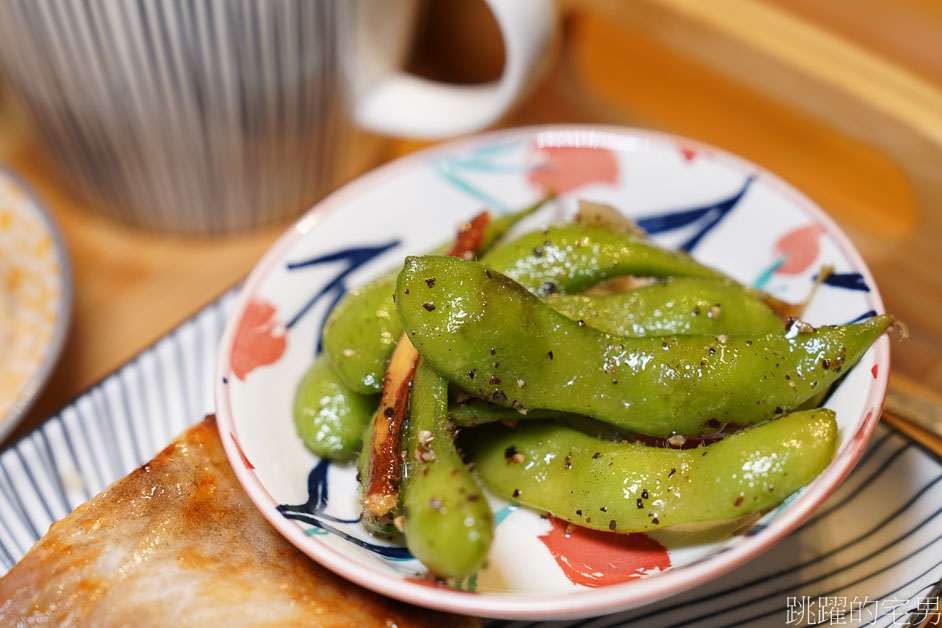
(603, 509)
(825, 364)
(471, 374)
(640, 504)
(749, 342)
(538, 251)
(493, 351)
(549, 287)
(596, 455)
(644, 494)
(488, 274)
(612, 525)
(388, 412)
(550, 355)
(430, 282)
(579, 512)
(581, 322)
(510, 452)
(499, 396)
(516, 492)
(712, 351)
(673, 471)
(778, 409)
(429, 306)
(568, 463)
(494, 380)
(655, 521)
(406, 291)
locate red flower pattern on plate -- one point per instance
(566, 168)
(260, 339)
(596, 559)
(800, 248)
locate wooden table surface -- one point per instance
(131, 287)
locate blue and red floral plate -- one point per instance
(727, 212)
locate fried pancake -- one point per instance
(176, 543)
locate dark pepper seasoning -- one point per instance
(612, 525)
(430, 282)
(428, 306)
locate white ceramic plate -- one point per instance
(728, 212)
(35, 298)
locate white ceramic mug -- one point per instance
(211, 116)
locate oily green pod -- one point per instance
(629, 487)
(360, 333)
(497, 341)
(680, 305)
(363, 328)
(329, 416)
(572, 257)
(448, 522)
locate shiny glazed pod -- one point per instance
(497, 341)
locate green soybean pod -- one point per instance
(572, 257)
(360, 333)
(448, 523)
(629, 487)
(679, 305)
(497, 341)
(363, 328)
(328, 416)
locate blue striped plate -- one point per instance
(868, 555)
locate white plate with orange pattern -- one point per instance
(727, 212)
(35, 298)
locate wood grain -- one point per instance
(618, 63)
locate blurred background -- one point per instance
(843, 99)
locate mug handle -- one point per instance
(403, 104)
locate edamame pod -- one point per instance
(497, 341)
(448, 523)
(681, 305)
(361, 332)
(628, 487)
(328, 416)
(363, 328)
(572, 257)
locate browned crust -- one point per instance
(177, 542)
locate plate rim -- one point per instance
(37, 382)
(594, 601)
